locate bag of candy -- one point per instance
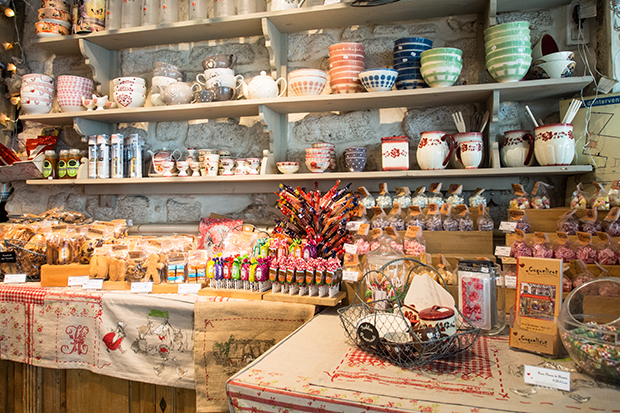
(542, 247)
(589, 222)
(614, 194)
(367, 200)
(384, 199)
(360, 240)
(518, 216)
(484, 221)
(455, 195)
(333, 276)
(445, 270)
(476, 198)
(611, 223)
(433, 218)
(450, 221)
(373, 239)
(520, 247)
(396, 240)
(414, 241)
(415, 217)
(607, 251)
(584, 276)
(420, 198)
(360, 217)
(563, 248)
(586, 251)
(607, 288)
(579, 199)
(466, 223)
(519, 199)
(273, 275)
(540, 196)
(379, 220)
(395, 218)
(568, 223)
(403, 197)
(435, 196)
(600, 199)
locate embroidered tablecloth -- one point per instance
(146, 338)
(317, 370)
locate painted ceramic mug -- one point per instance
(435, 150)
(463, 137)
(554, 144)
(469, 153)
(518, 148)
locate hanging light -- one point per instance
(7, 45)
(15, 100)
(11, 67)
(8, 12)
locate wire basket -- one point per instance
(393, 337)
(22, 257)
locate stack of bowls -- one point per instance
(305, 82)
(54, 19)
(167, 70)
(318, 159)
(37, 94)
(129, 92)
(346, 61)
(442, 66)
(331, 149)
(554, 66)
(355, 158)
(407, 51)
(164, 74)
(70, 91)
(378, 80)
(508, 51)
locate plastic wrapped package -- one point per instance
(589, 222)
(449, 221)
(540, 196)
(568, 223)
(563, 248)
(586, 251)
(433, 218)
(520, 199)
(484, 221)
(117, 262)
(420, 198)
(381, 287)
(455, 195)
(395, 218)
(435, 196)
(415, 217)
(520, 218)
(93, 238)
(520, 247)
(197, 267)
(414, 241)
(584, 276)
(476, 198)
(567, 284)
(600, 199)
(366, 199)
(611, 223)
(395, 241)
(446, 271)
(384, 199)
(466, 223)
(542, 248)
(607, 250)
(579, 199)
(614, 194)
(402, 198)
(360, 241)
(379, 220)
(373, 238)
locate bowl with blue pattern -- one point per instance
(378, 80)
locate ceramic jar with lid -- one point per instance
(443, 318)
(395, 153)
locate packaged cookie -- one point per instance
(420, 198)
(484, 221)
(384, 199)
(99, 262)
(402, 197)
(600, 199)
(136, 270)
(455, 195)
(476, 198)
(435, 196)
(586, 251)
(520, 247)
(117, 262)
(563, 248)
(379, 220)
(415, 217)
(519, 199)
(414, 242)
(589, 222)
(540, 196)
(542, 247)
(367, 200)
(176, 272)
(446, 271)
(449, 220)
(579, 199)
(607, 250)
(611, 223)
(197, 266)
(433, 218)
(395, 218)
(568, 222)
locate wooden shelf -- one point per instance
(304, 299)
(286, 21)
(418, 98)
(242, 294)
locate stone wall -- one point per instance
(245, 136)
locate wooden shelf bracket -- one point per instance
(104, 64)
(87, 127)
(276, 125)
(277, 45)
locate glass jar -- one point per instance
(61, 167)
(383, 284)
(49, 165)
(73, 164)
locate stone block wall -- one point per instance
(246, 137)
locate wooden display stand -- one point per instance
(325, 301)
(58, 275)
(241, 294)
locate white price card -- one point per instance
(77, 281)
(353, 225)
(350, 248)
(93, 284)
(506, 226)
(189, 288)
(351, 276)
(142, 287)
(510, 281)
(502, 251)
(14, 278)
(554, 379)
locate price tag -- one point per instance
(141, 288)
(507, 226)
(8, 256)
(93, 284)
(510, 281)
(77, 281)
(14, 278)
(328, 2)
(353, 225)
(554, 379)
(502, 251)
(350, 249)
(188, 288)
(350, 275)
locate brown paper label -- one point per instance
(432, 209)
(540, 237)
(360, 211)
(613, 214)
(415, 210)
(478, 191)
(403, 190)
(598, 186)
(446, 208)
(377, 210)
(395, 210)
(518, 189)
(350, 259)
(615, 185)
(603, 236)
(584, 238)
(519, 235)
(362, 190)
(568, 214)
(436, 187)
(383, 188)
(363, 229)
(480, 209)
(390, 231)
(376, 232)
(562, 237)
(420, 190)
(455, 189)
(590, 215)
(516, 214)
(461, 210)
(412, 232)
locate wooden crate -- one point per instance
(546, 220)
(457, 242)
(552, 236)
(326, 301)
(58, 275)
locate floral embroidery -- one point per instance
(77, 334)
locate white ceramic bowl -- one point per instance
(129, 99)
(34, 108)
(305, 82)
(555, 69)
(318, 166)
(555, 57)
(41, 96)
(288, 167)
(130, 87)
(36, 87)
(128, 79)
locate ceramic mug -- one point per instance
(469, 153)
(201, 96)
(223, 93)
(518, 148)
(211, 163)
(435, 150)
(218, 78)
(463, 137)
(554, 144)
(220, 60)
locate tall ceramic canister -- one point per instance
(554, 144)
(90, 16)
(435, 150)
(395, 153)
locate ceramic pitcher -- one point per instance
(518, 148)
(435, 150)
(554, 144)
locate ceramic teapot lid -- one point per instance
(436, 312)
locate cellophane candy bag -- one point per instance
(563, 248)
(520, 198)
(540, 196)
(579, 199)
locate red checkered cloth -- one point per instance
(26, 295)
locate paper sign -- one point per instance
(77, 281)
(350, 275)
(93, 284)
(185, 288)
(350, 249)
(14, 278)
(142, 287)
(554, 379)
(507, 226)
(510, 281)
(502, 251)
(353, 226)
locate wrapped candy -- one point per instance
(445, 270)
(466, 223)
(415, 217)
(563, 248)
(366, 199)
(607, 250)
(455, 196)
(600, 199)
(611, 223)
(567, 284)
(396, 240)
(484, 221)
(579, 199)
(586, 251)
(520, 218)
(589, 223)
(420, 198)
(360, 240)
(360, 217)
(476, 198)
(433, 219)
(540, 196)
(569, 223)
(583, 277)
(414, 241)
(374, 239)
(614, 194)
(450, 222)
(395, 218)
(541, 247)
(384, 199)
(379, 220)
(333, 276)
(403, 197)
(435, 196)
(520, 198)
(519, 247)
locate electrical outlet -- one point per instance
(572, 30)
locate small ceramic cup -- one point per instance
(168, 166)
(252, 165)
(182, 166)
(201, 96)
(518, 148)
(469, 153)
(227, 164)
(240, 168)
(195, 167)
(211, 162)
(554, 144)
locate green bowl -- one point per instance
(499, 36)
(440, 79)
(509, 72)
(509, 59)
(506, 26)
(506, 45)
(442, 58)
(441, 67)
(508, 52)
(441, 51)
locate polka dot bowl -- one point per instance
(378, 80)
(304, 82)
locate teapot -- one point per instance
(177, 93)
(263, 87)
